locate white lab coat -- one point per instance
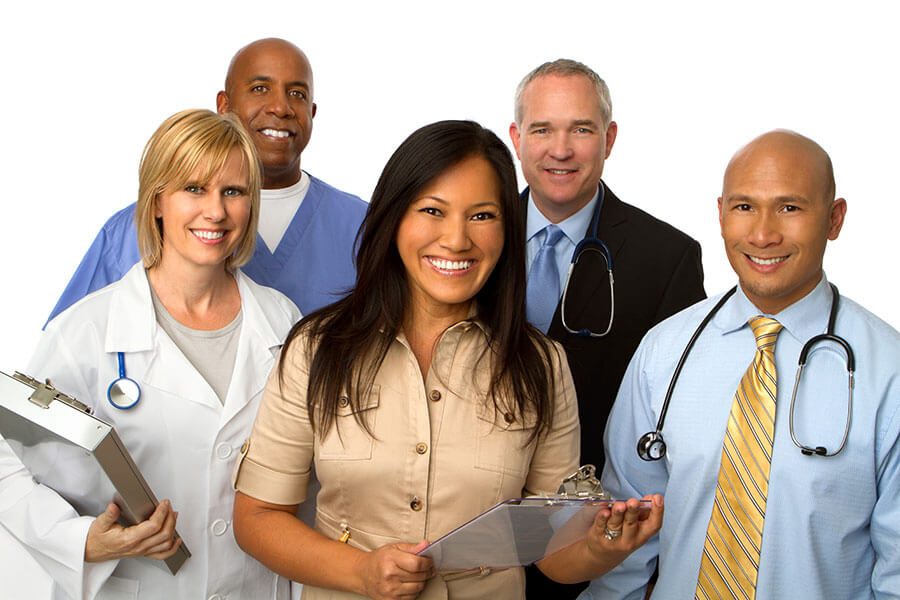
(179, 434)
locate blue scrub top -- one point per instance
(313, 265)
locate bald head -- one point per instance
(270, 47)
(269, 87)
(777, 213)
(784, 150)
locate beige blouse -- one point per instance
(439, 456)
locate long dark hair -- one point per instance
(349, 339)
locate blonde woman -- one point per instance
(199, 338)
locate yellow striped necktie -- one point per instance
(730, 560)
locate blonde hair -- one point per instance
(185, 142)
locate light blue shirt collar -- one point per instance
(803, 319)
(574, 226)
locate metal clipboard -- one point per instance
(57, 437)
(522, 531)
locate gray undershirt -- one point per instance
(212, 353)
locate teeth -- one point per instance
(559, 171)
(208, 235)
(767, 261)
(451, 265)
(278, 133)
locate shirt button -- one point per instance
(421, 448)
(215, 597)
(344, 402)
(416, 504)
(435, 395)
(223, 451)
(219, 527)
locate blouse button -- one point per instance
(421, 448)
(416, 504)
(508, 417)
(435, 395)
(344, 402)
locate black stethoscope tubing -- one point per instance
(591, 243)
(651, 446)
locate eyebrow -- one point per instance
(788, 198)
(267, 79)
(575, 123)
(442, 201)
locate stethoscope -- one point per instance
(591, 243)
(652, 446)
(123, 392)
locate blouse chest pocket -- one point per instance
(347, 439)
(502, 440)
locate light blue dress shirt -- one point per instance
(832, 527)
(313, 265)
(573, 227)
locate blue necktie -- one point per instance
(542, 294)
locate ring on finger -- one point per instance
(612, 534)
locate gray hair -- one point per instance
(565, 67)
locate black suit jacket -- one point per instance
(657, 272)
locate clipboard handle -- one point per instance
(45, 393)
(582, 484)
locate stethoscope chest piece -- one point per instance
(651, 446)
(124, 392)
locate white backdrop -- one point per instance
(85, 85)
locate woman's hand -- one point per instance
(394, 571)
(153, 538)
(624, 527)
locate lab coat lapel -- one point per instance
(257, 348)
(131, 323)
(132, 328)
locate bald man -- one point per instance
(762, 499)
(306, 227)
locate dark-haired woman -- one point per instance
(422, 398)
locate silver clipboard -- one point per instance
(522, 531)
(56, 436)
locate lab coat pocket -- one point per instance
(347, 439)
(500, 440)
(119, 588)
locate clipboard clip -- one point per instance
(583, 485)
(45, 393)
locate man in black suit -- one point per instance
(562, 134)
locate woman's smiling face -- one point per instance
(451, 237)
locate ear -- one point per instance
(611, 133)
(314, 107)
(836, 220)
(719, 205)
(222, 102)
(157, 211)
(514, 136)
